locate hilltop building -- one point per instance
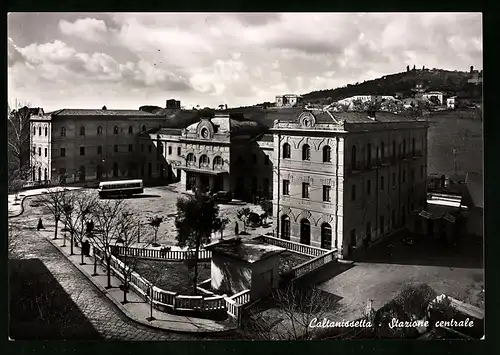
(289, 100)
(337, 179)
(436, 95)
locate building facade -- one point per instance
(343, 180)
(288, 100)
(83, 145)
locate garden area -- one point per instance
(289, 260)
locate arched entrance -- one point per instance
(305, 232)
(285, 227)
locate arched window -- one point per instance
(353, 157)
(45, 174)
(143, 128)
(115, 130)
(204, 161)
(160, 148)
(306, 152)
(130, 130)
(34, 174)
(82, 131)
(39, 131)
(327, 154)
(218, 162)
(34, 131)
(115, 169)
(413, 147)
(326, 236)
(286, 151)
(47, 132)
(305, 232)
(99, 130)
(63, 131)
(191, 159)
(285, 227)
(39, 174)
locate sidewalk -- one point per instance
(136, 308)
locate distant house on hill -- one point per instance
(288, 100)
(451, 102)
(434, 94)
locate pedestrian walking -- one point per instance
(40, 225)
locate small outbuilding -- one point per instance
(239, 265)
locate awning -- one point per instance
(202, 171)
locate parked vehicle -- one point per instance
(223, 196)
(120, 188)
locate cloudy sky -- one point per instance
(125, 60)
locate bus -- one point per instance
(120, 188)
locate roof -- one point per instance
(248, 250)
(92, 112)
(266, 138)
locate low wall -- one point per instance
(172, 255)
(292, 246)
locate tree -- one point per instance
(128, 231)
(18, 141)
(243, 214)
(155, 223)
(155, 272)
(84, 204)
(196, 219)
(297, 307)
(53, 200)
(220, 225)
(106, 215)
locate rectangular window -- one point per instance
(421, 171)
(115, 148)
(286, 187)
(404, 176)
(142, 149)
(178, 150)
(412, 174)
(170, 150)
(393, 179)
(63, 152)
(305, 190)
(45, 152)
(326, 193)
(39, 152)
(254, 158)
(130, 148)
(382, 183)
(99, 149)
(82, 150)
(150, 148)
(382, 221)
(368, 187)
(34, 150)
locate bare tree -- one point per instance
(297, 308)
(155, 271)
(18, 141)
(155, 223)
(243, 214)
(106, 215)
(84, 204)
(53, 201)
(128, 231)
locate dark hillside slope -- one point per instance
(452, 82)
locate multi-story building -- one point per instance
(82, 145)
(337, 179)
(345, 179)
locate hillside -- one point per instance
(450, 82)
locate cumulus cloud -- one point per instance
(241, 58)
(89, 29)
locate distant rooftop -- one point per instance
(100, 112)
(247, 250)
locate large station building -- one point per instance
(337, 179)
